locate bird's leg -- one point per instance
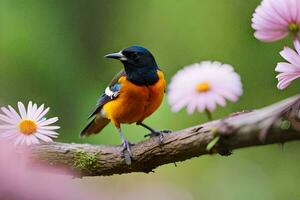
(146, 127)
(126, 147)
(154, 132)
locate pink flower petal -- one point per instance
(42, 114)
(22, 110)
(8, 113)
(180, 104)
(286, 67)
(6, 119)
(288, 71)
(291, 56)
(48, 121)
(29, 110)
(38, 112)
(272, 18)
(282, 84)
(267, 36)
(43, 138)
(191, 106)
(50, 127)
(14, 113)
(47, 132)
(201, 105)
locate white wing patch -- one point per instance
(110, 93)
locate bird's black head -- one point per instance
(134, 57)
(139, 64)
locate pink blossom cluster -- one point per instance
(274, 20)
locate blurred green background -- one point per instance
(51, 52)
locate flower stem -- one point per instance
(209, 115)
(296, 35)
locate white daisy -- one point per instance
(28, 127)
(203, 86)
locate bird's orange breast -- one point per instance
(135, 103)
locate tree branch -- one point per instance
(273, 124)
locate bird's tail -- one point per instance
(95, 126)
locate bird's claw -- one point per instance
(157, 133)
(126, 150)
(160, 134)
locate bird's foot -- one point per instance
(160, 134)
(126, 150)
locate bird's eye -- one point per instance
(134, 56)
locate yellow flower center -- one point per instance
(203, 87)
(294, 27)
(27, 127)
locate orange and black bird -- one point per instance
(132, 96)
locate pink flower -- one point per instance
(288, 71)
(28, 127)
(19, 179)
(274, 19)
(204, 86)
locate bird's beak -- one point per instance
(118, 56)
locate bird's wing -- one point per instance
(110, 93)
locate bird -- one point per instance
(134, 94)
